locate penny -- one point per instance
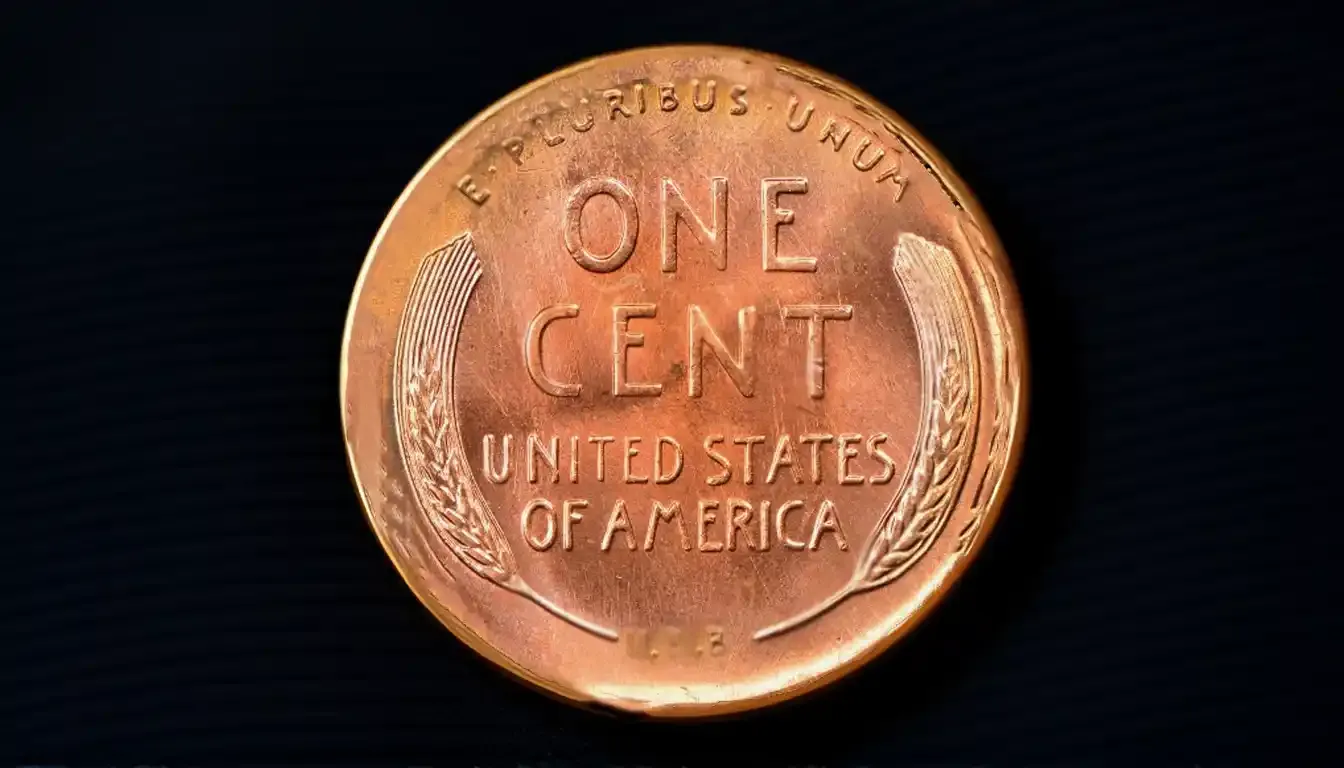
(683, 381)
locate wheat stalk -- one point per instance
(459, 520)
(931, 491)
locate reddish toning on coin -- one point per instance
(684, 380)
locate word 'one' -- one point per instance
(701, 335)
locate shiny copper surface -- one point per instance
(683, 380)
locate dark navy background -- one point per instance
(189, 194)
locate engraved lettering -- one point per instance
(843, 455)
(502, 474)
(747, 443)
(601, 443)
(660, 476)
(622, 338)
(797, 123)
(616, 103)
(894, 173)
(703, 102)
(739, 520)
(781, 522)
(573, 458)
(783, 458)
(738, 95)
(816, 316)
(630, 453)
(667, 97)
(568, 520)
(720, 459)
(713, 237)
(535, 448)
(867, 165)
(536, 368)
(772, 218)
(639, 98)
(586, 124)
(666, 514)
(625, 201)
(513, 147)
(676, 643)
(467, 186)
(714, 640)
(740, 368)
(834, 132)
(827, 522)
(816, 441)
(548, 537)
(732, 524)
(888, 465)
(707, 518)
(619, 521)
(550, 139)
(543, 460)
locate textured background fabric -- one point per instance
(190, 192)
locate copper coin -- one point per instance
(683, 380)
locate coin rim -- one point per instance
(960, 196)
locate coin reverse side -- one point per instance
(683, 381)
